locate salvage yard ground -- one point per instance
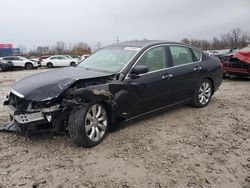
(184, 147)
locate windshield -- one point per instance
(110, 59)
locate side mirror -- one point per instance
(139, 69)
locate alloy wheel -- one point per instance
(204, 93)
(96, 122)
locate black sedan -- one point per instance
(6, 65)
(117, 83)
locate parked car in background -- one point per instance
(237, 63)
(75, 58)
(21, 62)
(211, 52)
(35, 59)
(85, 56)
(6, 65)
(41, 58)
(120, 82)
(221, 53)
(58, 61)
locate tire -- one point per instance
(1, 68)
(203, 94)
(88, 125)
(49, 65)
(225, 76)
(29, 66)
(72, 64)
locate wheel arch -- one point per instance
(212, 82)
(28, 62)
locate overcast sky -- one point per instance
(34, 23)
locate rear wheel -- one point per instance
(49, 65)
(72, 64)
(88, 125)
(1, 68)
(29, 66)
(203, 94)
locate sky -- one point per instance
(33, 23)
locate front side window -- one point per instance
(154, 59)
(16, 58)
(180, 55)
(61, 57)
(7, 58)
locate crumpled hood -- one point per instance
(48, 85)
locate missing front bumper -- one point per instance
(24, 118)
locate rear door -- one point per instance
(55, 61)
(64, 61)
(19, 61)
(186, 69)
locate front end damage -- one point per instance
(32, 116)
(28, 115)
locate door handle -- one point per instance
(167, 76)
(197, 68)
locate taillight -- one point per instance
(221, 65)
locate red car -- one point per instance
(237, 63)
(41, 58)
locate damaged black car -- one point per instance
(118, 83)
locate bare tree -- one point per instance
(234, 39)
(60, 47)
(81, 49)
(185, 41)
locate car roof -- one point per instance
(143, 43)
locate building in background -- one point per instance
(8, 50)
(16, 51)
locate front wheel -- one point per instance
(203, 94)
(72, 64)
(29, 66)
(88, 125)
(49, 65)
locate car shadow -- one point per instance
(125, 124)
(239, 78)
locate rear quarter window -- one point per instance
(197, 55)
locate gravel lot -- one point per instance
(184, 147)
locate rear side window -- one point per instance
(154, 59)
(197, 55)
(7, 58)
(181, 55)
(16, 58)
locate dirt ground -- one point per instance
(184, 147)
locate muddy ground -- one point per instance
(184, 147)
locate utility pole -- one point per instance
(117, 39)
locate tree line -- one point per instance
(61, 47)
(237, 38)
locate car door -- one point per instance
(186, 71)
(9, 59)
(64, 61)
(55, 60)
(16, 61)
(19, 61)
(153, 88)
